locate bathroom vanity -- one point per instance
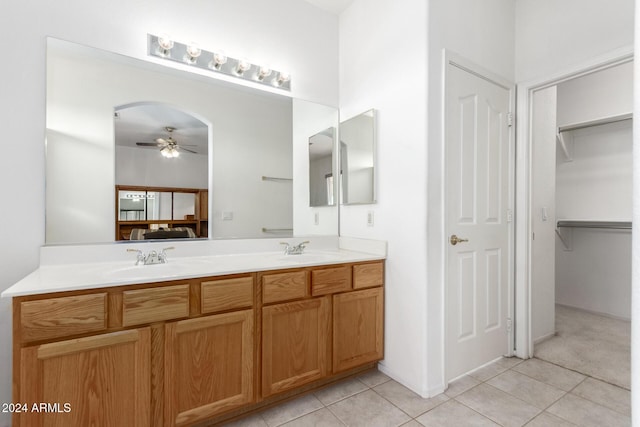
(192, 348)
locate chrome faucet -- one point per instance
(294, 250)
(152, 257)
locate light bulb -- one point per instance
(193, 52)
(263, 72)
(165, 152)
(243, 65)
(165, 44)
(219, 59)
(175, 153)
(282, 78)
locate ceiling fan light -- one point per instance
(174, 153)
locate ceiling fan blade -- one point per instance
(149, 144)
(186, 149)
(161, 141)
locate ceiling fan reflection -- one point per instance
(169, 147)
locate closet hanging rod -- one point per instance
(276, 230)
(616, 225)
(273, 178)
(597, 122)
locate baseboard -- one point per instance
(544, 338)
(423, 392)
(597, 313)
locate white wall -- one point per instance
(383, 65)
(635, 252)
(543, 202)
(147, 167)
(594, 96)
(551, 34)
(596, 185)
(289, 34)
(403, 81)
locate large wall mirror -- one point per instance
(203, 151)
(358, 159)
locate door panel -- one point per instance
(477, 189)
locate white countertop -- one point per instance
(58, 277)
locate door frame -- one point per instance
(523, 190)
(455, 60)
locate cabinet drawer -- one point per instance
(368, 275)
(154, 304)
(330, 280)
(284, 286)
(226, 294)
(65, 316)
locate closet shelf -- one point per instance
(567, 146)
(597, 122)
(618, 225)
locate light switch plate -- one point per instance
(370, 219)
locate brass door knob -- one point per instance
(455, 240)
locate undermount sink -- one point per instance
(136, 272)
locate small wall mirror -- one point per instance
(357, 159)
(321, 183)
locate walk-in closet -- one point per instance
(581, 223)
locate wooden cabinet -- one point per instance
(208, 366)
(202, 208)
(64, 316)
(357, 328)
(295, 344)
(330, 280)
(194, 351)
(100, 380)
(277, 287)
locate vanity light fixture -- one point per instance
(166, 48)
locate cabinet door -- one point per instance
(104, 379)
(357, 328)
(295, 342)
(208, 366)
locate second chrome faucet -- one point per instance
(152, 257)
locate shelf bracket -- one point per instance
(564, 146)
(566, 237)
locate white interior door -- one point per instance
(478, 197)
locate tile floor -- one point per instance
(509, 392)
(577, 384)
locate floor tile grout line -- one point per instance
(399, 408)
(596, 403)
(564, 392)
(479, 413)
(551, 385)
(581, 373)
